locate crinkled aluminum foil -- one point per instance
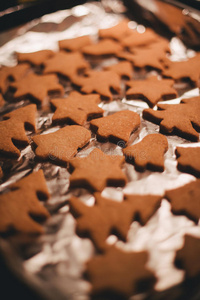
(58, 263)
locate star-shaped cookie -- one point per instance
(36, 87)
(100, 82)
(148, 154)
(76, 109)
(123, 69)
(75, 44)
(97, 170)
(102, 48)
(117, 32)
(62, 145)
(182, 119)
(108, 216)
(137, 39)
(188, 160)
(185, 200)
(34, 58)
(151, 90)
(21, 205)
(116, 127)
(119, 273)
(66, 64)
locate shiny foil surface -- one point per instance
(54, 263)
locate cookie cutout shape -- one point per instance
(21, 205)
(108, 217)
(116, 32)
(123, 69)
(119, 273)
(75, 44)
(13, 73)
(188, 160)
(148, 153)
(185, 200)
(151, 90)
(187, 258)
(136, 39)
(76, 109)
(182, 119)
(34, 58)
(62, 145)
(97, 170)
(102, 48)
(66, 64)
(36, 87)
(13, 130)
(184, 70)
(116, 127)
(100, 82)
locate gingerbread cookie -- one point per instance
(151, 90)
(102, 48)
(117, 32)
(36, 87)
(185, 200)
(116, 127)
(136, 39)
(34, 58)
(12, 73)
(148, 154)
(109, 172)
(184, 70)
(66, 64)
(187, 258)
(13, 130)
(123, 69)
(20, 206)
(75, 44)
(76, 109)
(182, 119)
(100, 82)
(108, 217)
(119, 273)
(188, 160)
(62, 145)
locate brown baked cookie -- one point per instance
(108, 217)
(116, 127)
(102, 48)
(136, 39)
(123, 69)
(116, 32)
(34, 58)
(119, 274)
(13, 74)
(148, 154)
(151, 90)
(99, 82)
(76, 109)
(62, 145)
(97, 170)
(185, 200)
(75, 44)
(36, 87)
(153, 56)
(184, 70)
(20, 207)
(2, 102)
(66, 64)
(187, 258)
(188, 160)
(13, 130)
(182, 119)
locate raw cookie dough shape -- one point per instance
(21, 204)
